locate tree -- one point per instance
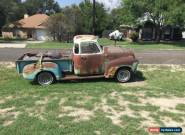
(42, 6)
(58, 25)
(10, 11)
(177, 14)
(101, 18)
(74, 15)
(160, 12)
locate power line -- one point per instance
(94, 17)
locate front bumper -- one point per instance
(135, 65)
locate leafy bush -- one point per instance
(134, 36)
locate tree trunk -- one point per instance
(158, 33)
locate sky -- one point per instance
(64, 3)
(109, 4)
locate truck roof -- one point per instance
(81, 38)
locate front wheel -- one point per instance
(45, 78)
(123, 75)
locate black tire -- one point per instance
(123, 75)
(45, 78)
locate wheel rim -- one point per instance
(45, 78)
(123, 75)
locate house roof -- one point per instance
(36, 22)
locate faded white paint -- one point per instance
(183, 34)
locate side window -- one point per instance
(76, 49)
(89, 48)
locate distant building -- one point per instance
(126, 30)
(31, 27)
(147, 31)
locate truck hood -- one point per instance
(112, 52)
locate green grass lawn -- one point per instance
(125, 44)
(51, 45)
(97, 106)
(13, 40)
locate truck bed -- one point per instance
(46, 56)
(64, 60)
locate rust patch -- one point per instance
(30, 68)
(33, 67)
(89, 64)
(112, 66)
(111, 72)
(112, 53)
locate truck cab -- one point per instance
(87, 59)
(88, 56)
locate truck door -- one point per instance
(88, 59)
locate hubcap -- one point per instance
(123, 75)
(45, 78)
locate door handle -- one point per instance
(84, 58)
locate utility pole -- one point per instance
(94, 17)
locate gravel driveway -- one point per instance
(145, 57)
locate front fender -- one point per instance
(32, 70)
(113, 65)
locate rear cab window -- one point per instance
(89, 48)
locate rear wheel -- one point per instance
(123, 75)
(45, 78)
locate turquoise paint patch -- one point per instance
(33, 75)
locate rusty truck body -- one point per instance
(86, 60)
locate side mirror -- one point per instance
(101, 47)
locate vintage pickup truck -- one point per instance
(87, 59)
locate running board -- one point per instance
(74, 77)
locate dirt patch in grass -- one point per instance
(2, 101)
(115, 113)
(164, 103)
(134, 84)
(8, 64)
(169, 67)
(7, 123)
(6, 110)
(148, 121)
(42, 102)
(97, 132)
(79, 114)
(9, 113)
(149, 117)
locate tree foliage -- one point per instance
(102, 17)
(58, 25)
(78, 20)
(160, 12)
(10, 11)
(74, 15)
(41, 6)
(13, 10)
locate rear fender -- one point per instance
(32, 70)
